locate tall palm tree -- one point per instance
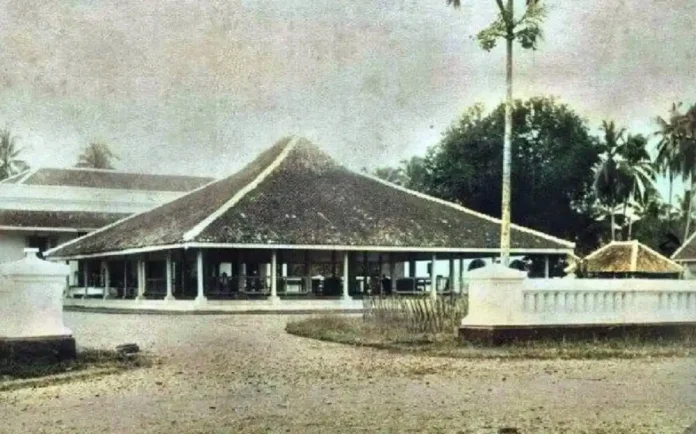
(10, 164)
(667, 160)
(611, 179)
(685, 132)
(639, 171)
(527, 31)
(96, 156)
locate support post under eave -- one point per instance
(433, 278)
(346, 282)
(168, 276)
(546, 266)
(451, 275)
(141, 280)
(200, 297)
(107, 278)
(274, 277)
(392, 274)
(85, 277)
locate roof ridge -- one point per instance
(634, 255)
(239, 195)
(467, 210)
(109, 226)
(683, 246)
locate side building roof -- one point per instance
(295, 195)
(109, 179)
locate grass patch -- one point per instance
(89, 362)
(365, 332)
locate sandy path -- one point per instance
(238, 374)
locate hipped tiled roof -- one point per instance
(627, 257)
(59, 220)
(294, 194)
(110, 179)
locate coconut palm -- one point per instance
(612, 180)
(527, 31)
(685, 138)
(10, 164)
(667, 160)
(96, 156)
(639, 172)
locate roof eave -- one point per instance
(359, 248)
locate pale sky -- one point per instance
(200, 87)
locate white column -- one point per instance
(433, 277)
(107, 279)
(141, 280)
(392, 273)
(345, 296)
(546, 266)
(308, 272)
(85, 277)
(125, 277)
(274, 277)
(168, 276)
(451, 274)
(200, 298)
(461, 275)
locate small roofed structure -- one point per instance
(623, 259)
(269, 228)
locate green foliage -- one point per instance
(553, 154)
(97, 156)
(527, 30)
(10, 164)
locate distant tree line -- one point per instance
(565, 181)
(96, 155)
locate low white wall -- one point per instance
(499, 296)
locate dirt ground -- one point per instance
(244, 374)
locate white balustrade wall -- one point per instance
(499, 296)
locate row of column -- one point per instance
(200, 297)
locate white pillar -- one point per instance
(85, 276)
(345, 296)
(433, 277)
(308, 272)
(451, 274)
(200, 298)
(546, 266)
(141, 280)
(168, 276)
(274, 277)
(125, 277)
(107, 279)
(392, 273)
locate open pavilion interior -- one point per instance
(293, 223)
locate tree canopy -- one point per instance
(97, 156)
(10, 163)
(552, 177)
